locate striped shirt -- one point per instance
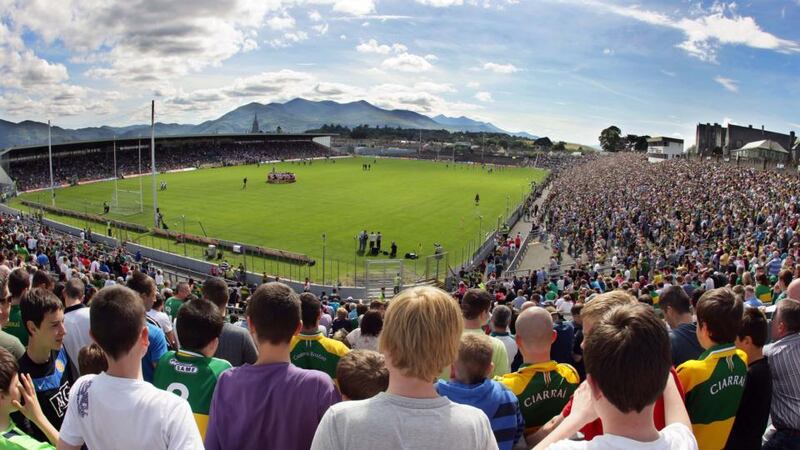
(714, 384)
(316, 352)
(498, 403)
(543, 389)
(784, 365)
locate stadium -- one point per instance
(107, 187)
(392, 225)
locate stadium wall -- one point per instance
(201, 268)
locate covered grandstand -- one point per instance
(26, 168)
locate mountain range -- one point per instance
(294, 116)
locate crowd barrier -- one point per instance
(282, 255)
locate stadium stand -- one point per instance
(715, 232)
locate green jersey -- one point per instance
(171, 307)
(14, 326)
(764, 293)
(193, 377)
(12, 438)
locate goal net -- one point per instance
(127, 203)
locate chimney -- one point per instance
(749, 126)
(762, 127)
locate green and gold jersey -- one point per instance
(764, 293)
(714, 384)
(193, 377)
(14, 326)
(542, 389)
(12, 438)
(315, 351)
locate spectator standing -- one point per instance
(622, 387)
(192, 372)
(45, 358)
(8, 341)
(714, 382)
(283, 403)
(76, 322)
(542, 385)
(676, 305)
(501, 319)
(475, 309)
(361, 374)
(751, 418)
(104, 409)
(19, 281)
(420, 336)
(174, 303)
(146, 288)
(310, 349)
(235, 343)
(784, 365)
(365, 337)
(470, 386)
(17, 395)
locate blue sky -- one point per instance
(561, 68)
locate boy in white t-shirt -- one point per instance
(117, 409)
(622, 387)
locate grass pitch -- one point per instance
(414, 203)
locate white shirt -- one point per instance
(676, 436)
(114, 413)
(362, 342)
(709, 283)
(76, 323)
(162, 319)
(564, 306)
(159, 279)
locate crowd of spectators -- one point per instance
(678, 356)
(99, 164)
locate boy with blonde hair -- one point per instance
(420, 336)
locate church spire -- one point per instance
(255, 129)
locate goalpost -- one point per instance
(127, 202)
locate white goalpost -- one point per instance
(126, 201)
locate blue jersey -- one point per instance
(156, 349)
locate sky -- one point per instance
(561, 68)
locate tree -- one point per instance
(610, 139)
(559, 146)
(634, 143)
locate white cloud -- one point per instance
(441, 3)
(321, 28)
(608, 51)
(282, 22)
(407, 62)
(668, 73)
(289, 39)
(484, 96)
(727, 83)
(423, 97)
(354, 7)
(436, 88)
(372, 46)
(343, 37)
(503, 69)
(473, 85)
(431, 57)
(23, 69)
(707, 29)
(314, 15)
